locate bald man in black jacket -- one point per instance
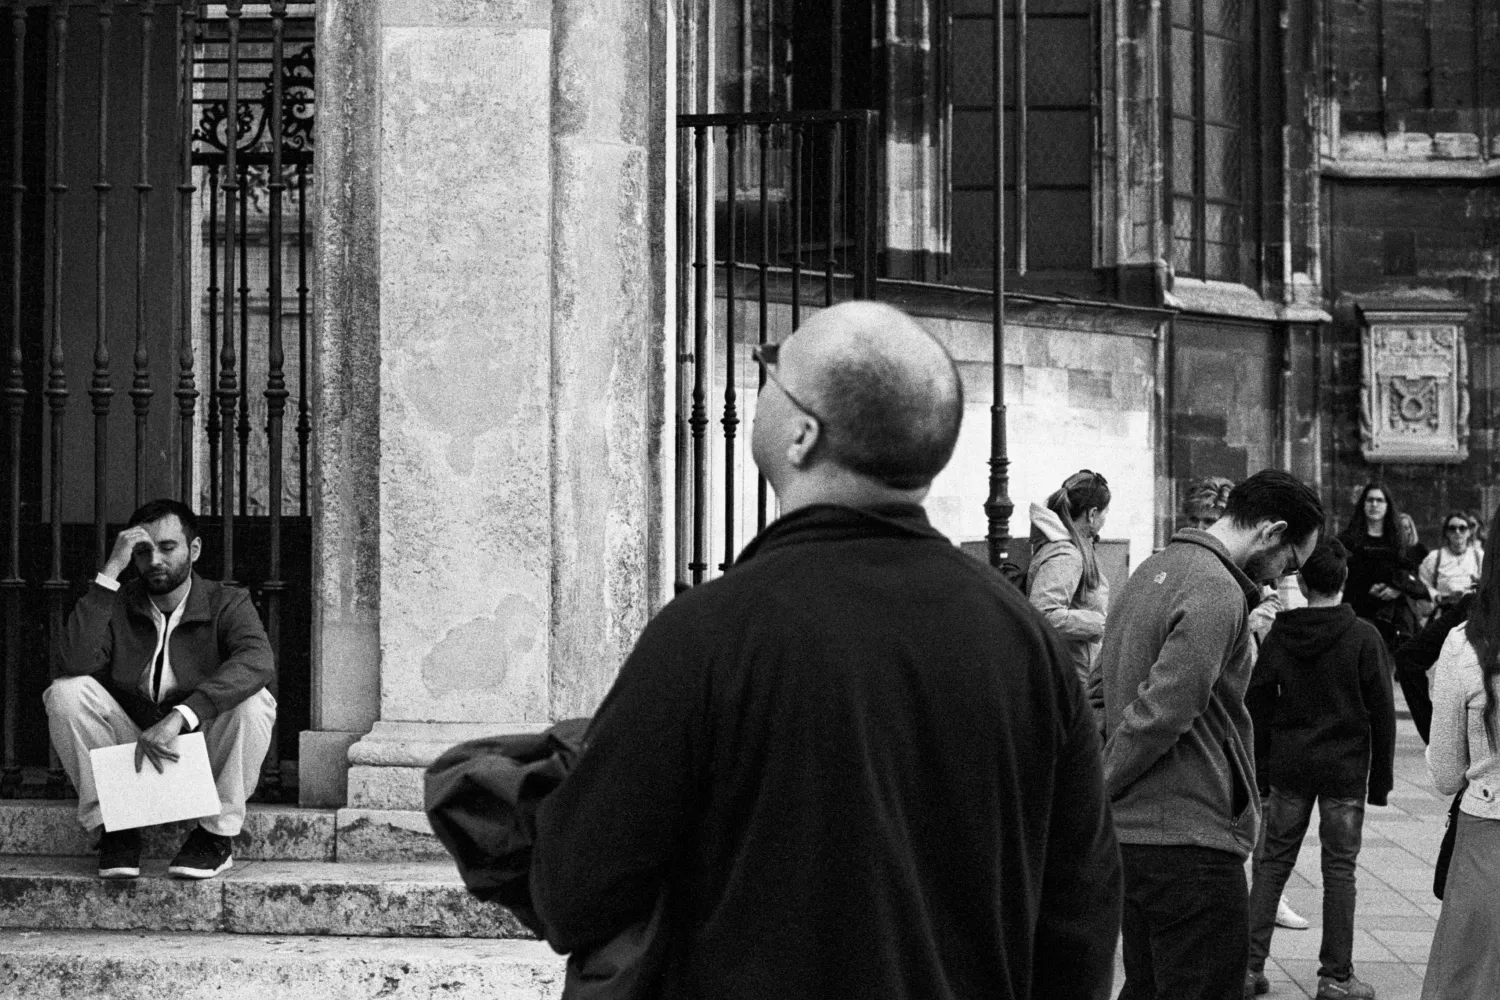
(858, 764)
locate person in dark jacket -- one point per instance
(172, 652)
(1382, 580)
(1415, 657)
(857, 764)
(1326, 734)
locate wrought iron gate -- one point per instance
(160, 155)
(776, 218)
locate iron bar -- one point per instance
(182, 239)
(276, 392)
(1023, 176)
(797, 139)
(765, 274)
(100, 389)
(830, 263)
(864, 207)
(304, 417)
(213, 428)
(998, 506)
(140, 388)
(731, 263)
(242, 426)
(15, 399)
(698, 420)
(56, 585)
(228, 389)
(1200, 143)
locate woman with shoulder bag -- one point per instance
(1462, 757)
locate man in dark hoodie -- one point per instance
(857, 765)
(1325, 726)
(1178, 768)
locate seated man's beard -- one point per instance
(165, 581)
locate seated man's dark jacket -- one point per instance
(859, 765)
(219, 650)
(1321, 701)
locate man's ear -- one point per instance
(195, 549)
(809, 432)
(1273, 533)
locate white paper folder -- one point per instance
(183, 790)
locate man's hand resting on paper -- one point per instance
(159, 743)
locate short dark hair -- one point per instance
(1273, 495)
(158, 509)
(1327, 568)
(886, 425)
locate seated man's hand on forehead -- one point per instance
(129, 543)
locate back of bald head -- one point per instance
(889, 391)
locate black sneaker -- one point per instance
(119, 854)
(203, 855)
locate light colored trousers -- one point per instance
(82, 717)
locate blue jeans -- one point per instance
(1340, 825)
(1184, 923)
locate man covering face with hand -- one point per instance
(163, 654)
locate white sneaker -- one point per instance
(1288, 917)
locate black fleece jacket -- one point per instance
(1321, 701)
(859, 765)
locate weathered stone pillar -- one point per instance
(607, 157)
(345, 392)
(519, 377)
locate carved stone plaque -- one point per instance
(1414, 403)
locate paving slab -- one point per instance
(67, 965)
(416, 899)
(1395, 914)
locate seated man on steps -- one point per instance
(174, 652)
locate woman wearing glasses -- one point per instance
(1063, 581)
(1452, 569)
(1382, 581)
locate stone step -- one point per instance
(54, 965)
(416, 899)
(271, 832)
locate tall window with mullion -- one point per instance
(1049, 60)
(1207, 136)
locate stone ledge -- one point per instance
(133, 966)
(271, 832)
(258, 897)
(387, 835)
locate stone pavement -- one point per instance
(1396, 912)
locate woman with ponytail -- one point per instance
(1463, 759)
(1063, 581)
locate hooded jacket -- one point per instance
(1173, 672)
(1321, 701)
(1054, 585)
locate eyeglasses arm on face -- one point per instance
(767, 355)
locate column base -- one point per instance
(323, 767)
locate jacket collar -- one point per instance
(1197, 536)
(834, 522)
(199, 605)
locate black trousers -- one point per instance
(1186, 923)
(1414, 687)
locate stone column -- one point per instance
(345, 390)
(519, 329)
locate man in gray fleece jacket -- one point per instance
(1178, 765)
